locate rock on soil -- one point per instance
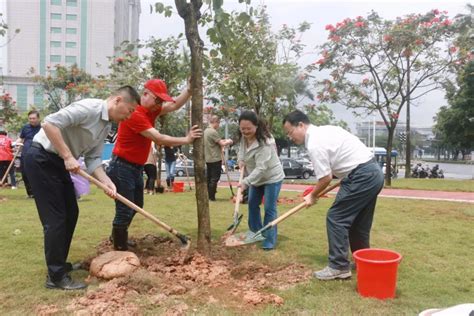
(114, 264)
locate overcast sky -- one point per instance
(319, 14)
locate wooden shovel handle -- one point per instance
(129, 203)
(239, 193)
(299, 207)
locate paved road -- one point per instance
(465, 197)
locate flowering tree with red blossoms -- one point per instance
(379, 66)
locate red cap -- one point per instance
(158, 88)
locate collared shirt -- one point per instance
(212, 149)
(131, 145)
(84, 126)
(27, 133)
(261, 163)
(334, 150)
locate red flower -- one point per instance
(447, 22)
(453, 49)
(335, 38)
(359, 24)
(330, 28)
(119, 60)
(320, 61)
(387, 38)
(419, 42)
(435, 11)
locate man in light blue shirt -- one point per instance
(76, 130)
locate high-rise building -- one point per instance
(65, 32)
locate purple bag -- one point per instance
(81, 185)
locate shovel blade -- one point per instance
(244, 238)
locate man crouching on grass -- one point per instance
(76, 130)
(334, 151)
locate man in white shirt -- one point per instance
(334, 151)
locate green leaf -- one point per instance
(217, 4)
(159, 7)
(213, 53)
(243, 17)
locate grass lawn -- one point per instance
(434, 184)
(435, 239)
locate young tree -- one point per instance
(253, 68)
(190, 12)
(381, 65)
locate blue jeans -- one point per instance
(270, 192)
(170, 170)
(128, 179)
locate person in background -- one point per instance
(150, 171)
(6, 156)
(170, 165)
(265, 174)
(27, 133)
(213, 146)
(335, 151)
(76, 130)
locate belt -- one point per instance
(363, 164)
(37, 145)
(124, 161)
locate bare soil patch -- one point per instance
(179, 286)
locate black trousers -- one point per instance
(213, 177)
(150, 170)
(24, 176)
(3, 168)
(56, 203)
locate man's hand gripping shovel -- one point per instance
(246, 238)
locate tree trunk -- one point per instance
(190, 12)
(408, 152)
(388, 164)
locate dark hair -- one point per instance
(295, 117)
(129, 93)
(262, 133)
(34, 112)
(3, 133)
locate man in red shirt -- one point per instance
(132, 147)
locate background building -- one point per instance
(65, 32)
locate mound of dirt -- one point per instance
(166, 280)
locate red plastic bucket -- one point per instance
(178, 186)
(377, 272)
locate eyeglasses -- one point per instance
(156, 99)
(290, 132)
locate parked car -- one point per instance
(181, 169)
(294, 169)
(307, 164)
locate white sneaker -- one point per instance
(14, 188)
(329, 273)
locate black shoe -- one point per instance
(66, 283)
(73, 267)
